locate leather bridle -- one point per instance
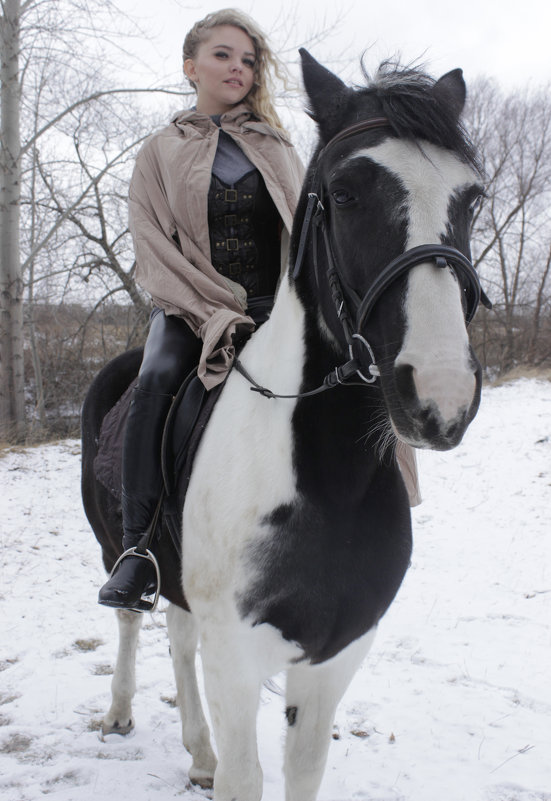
(315, 220)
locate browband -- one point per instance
(358, 127)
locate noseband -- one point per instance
(442, 256)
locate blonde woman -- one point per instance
(211, 205)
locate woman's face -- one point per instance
(222, 70)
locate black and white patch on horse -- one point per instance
(435, 354)
(296, 525)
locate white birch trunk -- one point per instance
(12, 389)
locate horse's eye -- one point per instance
(341, 197)
(476, 203)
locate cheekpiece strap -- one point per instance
(313, 201)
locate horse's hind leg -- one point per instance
(312, 695)
(182, 633)
(123, 686)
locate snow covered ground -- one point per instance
(452, 704)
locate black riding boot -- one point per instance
(136, 574)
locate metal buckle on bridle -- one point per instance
(373, 369)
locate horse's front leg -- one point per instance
(233, 685)
(182, 633)
(123, 686)
(312, 695)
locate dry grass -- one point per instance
(7, 663)
(170, 700)
(8, 698)
(15, 744)
(87, 645)
(539, 373)
(8, 447)
(103, 670)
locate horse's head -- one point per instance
(392, 188)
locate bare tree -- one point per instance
(53, 66)
(512, 233)
(12, 408)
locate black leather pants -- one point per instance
(172, 350)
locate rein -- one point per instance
(443, 257)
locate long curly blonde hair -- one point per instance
(267, 64)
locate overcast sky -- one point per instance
(506, 39)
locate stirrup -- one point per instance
(143, 605)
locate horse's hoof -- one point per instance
(116, 727)
(201, 778)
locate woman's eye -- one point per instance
(221, 54)
(341, 197)
(249, 63)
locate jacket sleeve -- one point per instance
(175, 284)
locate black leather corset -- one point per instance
(244, 229)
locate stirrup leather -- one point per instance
(143, 605)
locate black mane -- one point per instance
(415, 111)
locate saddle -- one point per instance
(185, 424)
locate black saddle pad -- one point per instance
(184, 427)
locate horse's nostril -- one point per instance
(405, 383)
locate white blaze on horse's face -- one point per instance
(435, 345)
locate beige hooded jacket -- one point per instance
(168, 221)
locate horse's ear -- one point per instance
(451, 90)
(327, 94)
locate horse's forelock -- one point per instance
(415, 111)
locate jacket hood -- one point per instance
(239, 118)
(238, 115)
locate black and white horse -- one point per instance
(296, 525)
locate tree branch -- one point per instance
(89, 99)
